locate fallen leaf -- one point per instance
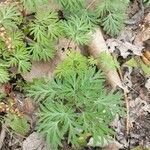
(100, 143)
(34, 142)
(145, 60)
(144, 34)
(43, 69)
(2, 135)
(126, 35)
(39, 69)
(46, 69)
(147, 84)
(132, 63)
(125, 48)
(96, 47)
(138, 107)
(147, 54)
(112, 146)
(28, 107)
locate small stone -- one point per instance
(34, 142)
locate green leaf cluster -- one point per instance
(77, 29)
(113, 15)
(10, 19)
(108, 61)
(132, 63)
(74, 101)
(73, 63)
(19, 57)
(4, 75)
(35, 34)
(9, 16)
(71, 5)
(35, 41)
(147, 2)
(33, 5)
(18, 124)
(45, 29)
(75, 104)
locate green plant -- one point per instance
(75, 101)
(113, 15)
(147, 2)
(77, 30)
(9, 16)
(75, 104)
(18, 124)
(110, 13)
(30, 30)
(33, 5)
(108, 61)
(14, 118)
(4, 75)
(74, 62)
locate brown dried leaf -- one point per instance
(145, 60)
(96, 47)
(34, 142)
(2, 135)
(147, 54)
(112, 146)
(46, 69)
(147, 84)
(38, 70)
(124, 47)
(144, 34)
(28, 106)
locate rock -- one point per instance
(34, 142)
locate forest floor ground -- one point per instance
(135, 79)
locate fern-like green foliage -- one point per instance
(17, 38)
(9, 16)
(45, 28)
(77, 29)
(71, 5)
(75, 104)
(57, 119)
(146, 2)
(33, 5)
(4, 75)
(113, 23)
(41, 52)
(74, 62)
(18, 124)
(108, 61)
(110, 13)
(20, 58)
(79, 20)
(74, 101)
(113, 15)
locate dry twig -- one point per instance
(2, 136)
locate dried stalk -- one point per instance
(96, 47)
